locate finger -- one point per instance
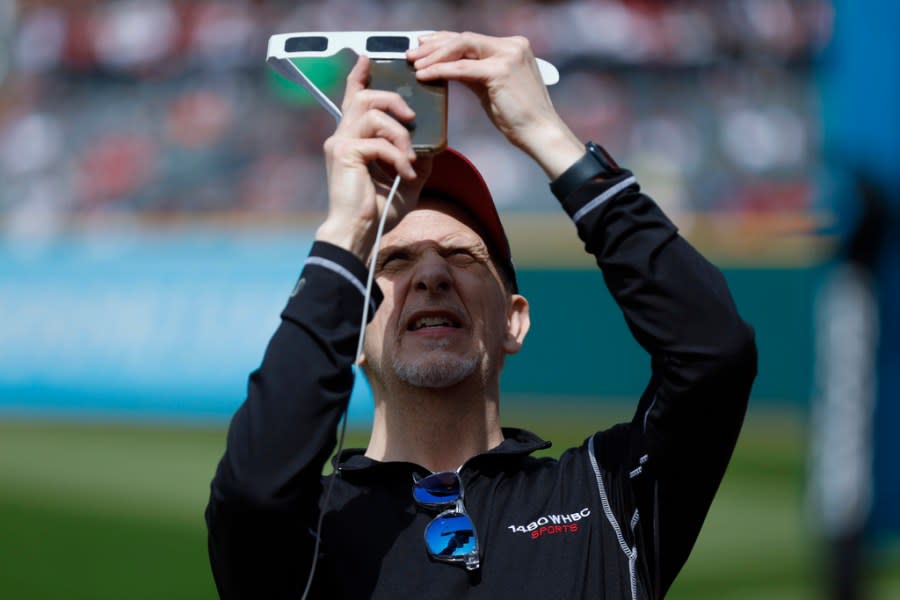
(379, 149)
(427, 43)
(383, 176)
(356, 80)
(351, 153)
(378, 124)
(391, 102)
(453, 47)
(466, 70)
(448, 50)
(423, 166)
(437, 35)
(373, 115)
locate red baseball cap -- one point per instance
(454, 177)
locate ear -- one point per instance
(361, 360)
(518, 322)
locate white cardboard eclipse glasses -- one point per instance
(374, 44)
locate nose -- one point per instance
(432, 274)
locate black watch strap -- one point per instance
(595, 162)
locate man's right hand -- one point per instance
(368, 148)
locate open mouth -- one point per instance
(428, 321)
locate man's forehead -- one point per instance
(435, 220)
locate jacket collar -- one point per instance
(517, 443)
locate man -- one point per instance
(614, 518)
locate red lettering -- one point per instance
(553, 530)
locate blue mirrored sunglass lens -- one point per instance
(439, 488)
(451, 535)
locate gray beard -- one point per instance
(431, 371)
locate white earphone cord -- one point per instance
(359, 347)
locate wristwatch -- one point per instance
(596, 162)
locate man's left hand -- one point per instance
(504, 75)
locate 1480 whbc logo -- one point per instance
(552, 524)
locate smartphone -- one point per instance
(428, 99)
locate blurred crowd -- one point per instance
(143, 106)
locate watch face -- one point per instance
(595, 163)
(603, 157)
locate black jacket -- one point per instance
(613, 518)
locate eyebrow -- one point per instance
(387, 251)
(479, 250)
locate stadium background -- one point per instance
(160, 187)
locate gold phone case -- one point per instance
(427, 99)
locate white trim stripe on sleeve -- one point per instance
(342, 271)
(603, 198)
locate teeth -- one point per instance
(432, 322)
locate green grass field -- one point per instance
(115, 512)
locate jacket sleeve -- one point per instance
(703, 358)
(263, 505)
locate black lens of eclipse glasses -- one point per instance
(313, 43)
(387, 43)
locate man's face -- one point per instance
(445, 316)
